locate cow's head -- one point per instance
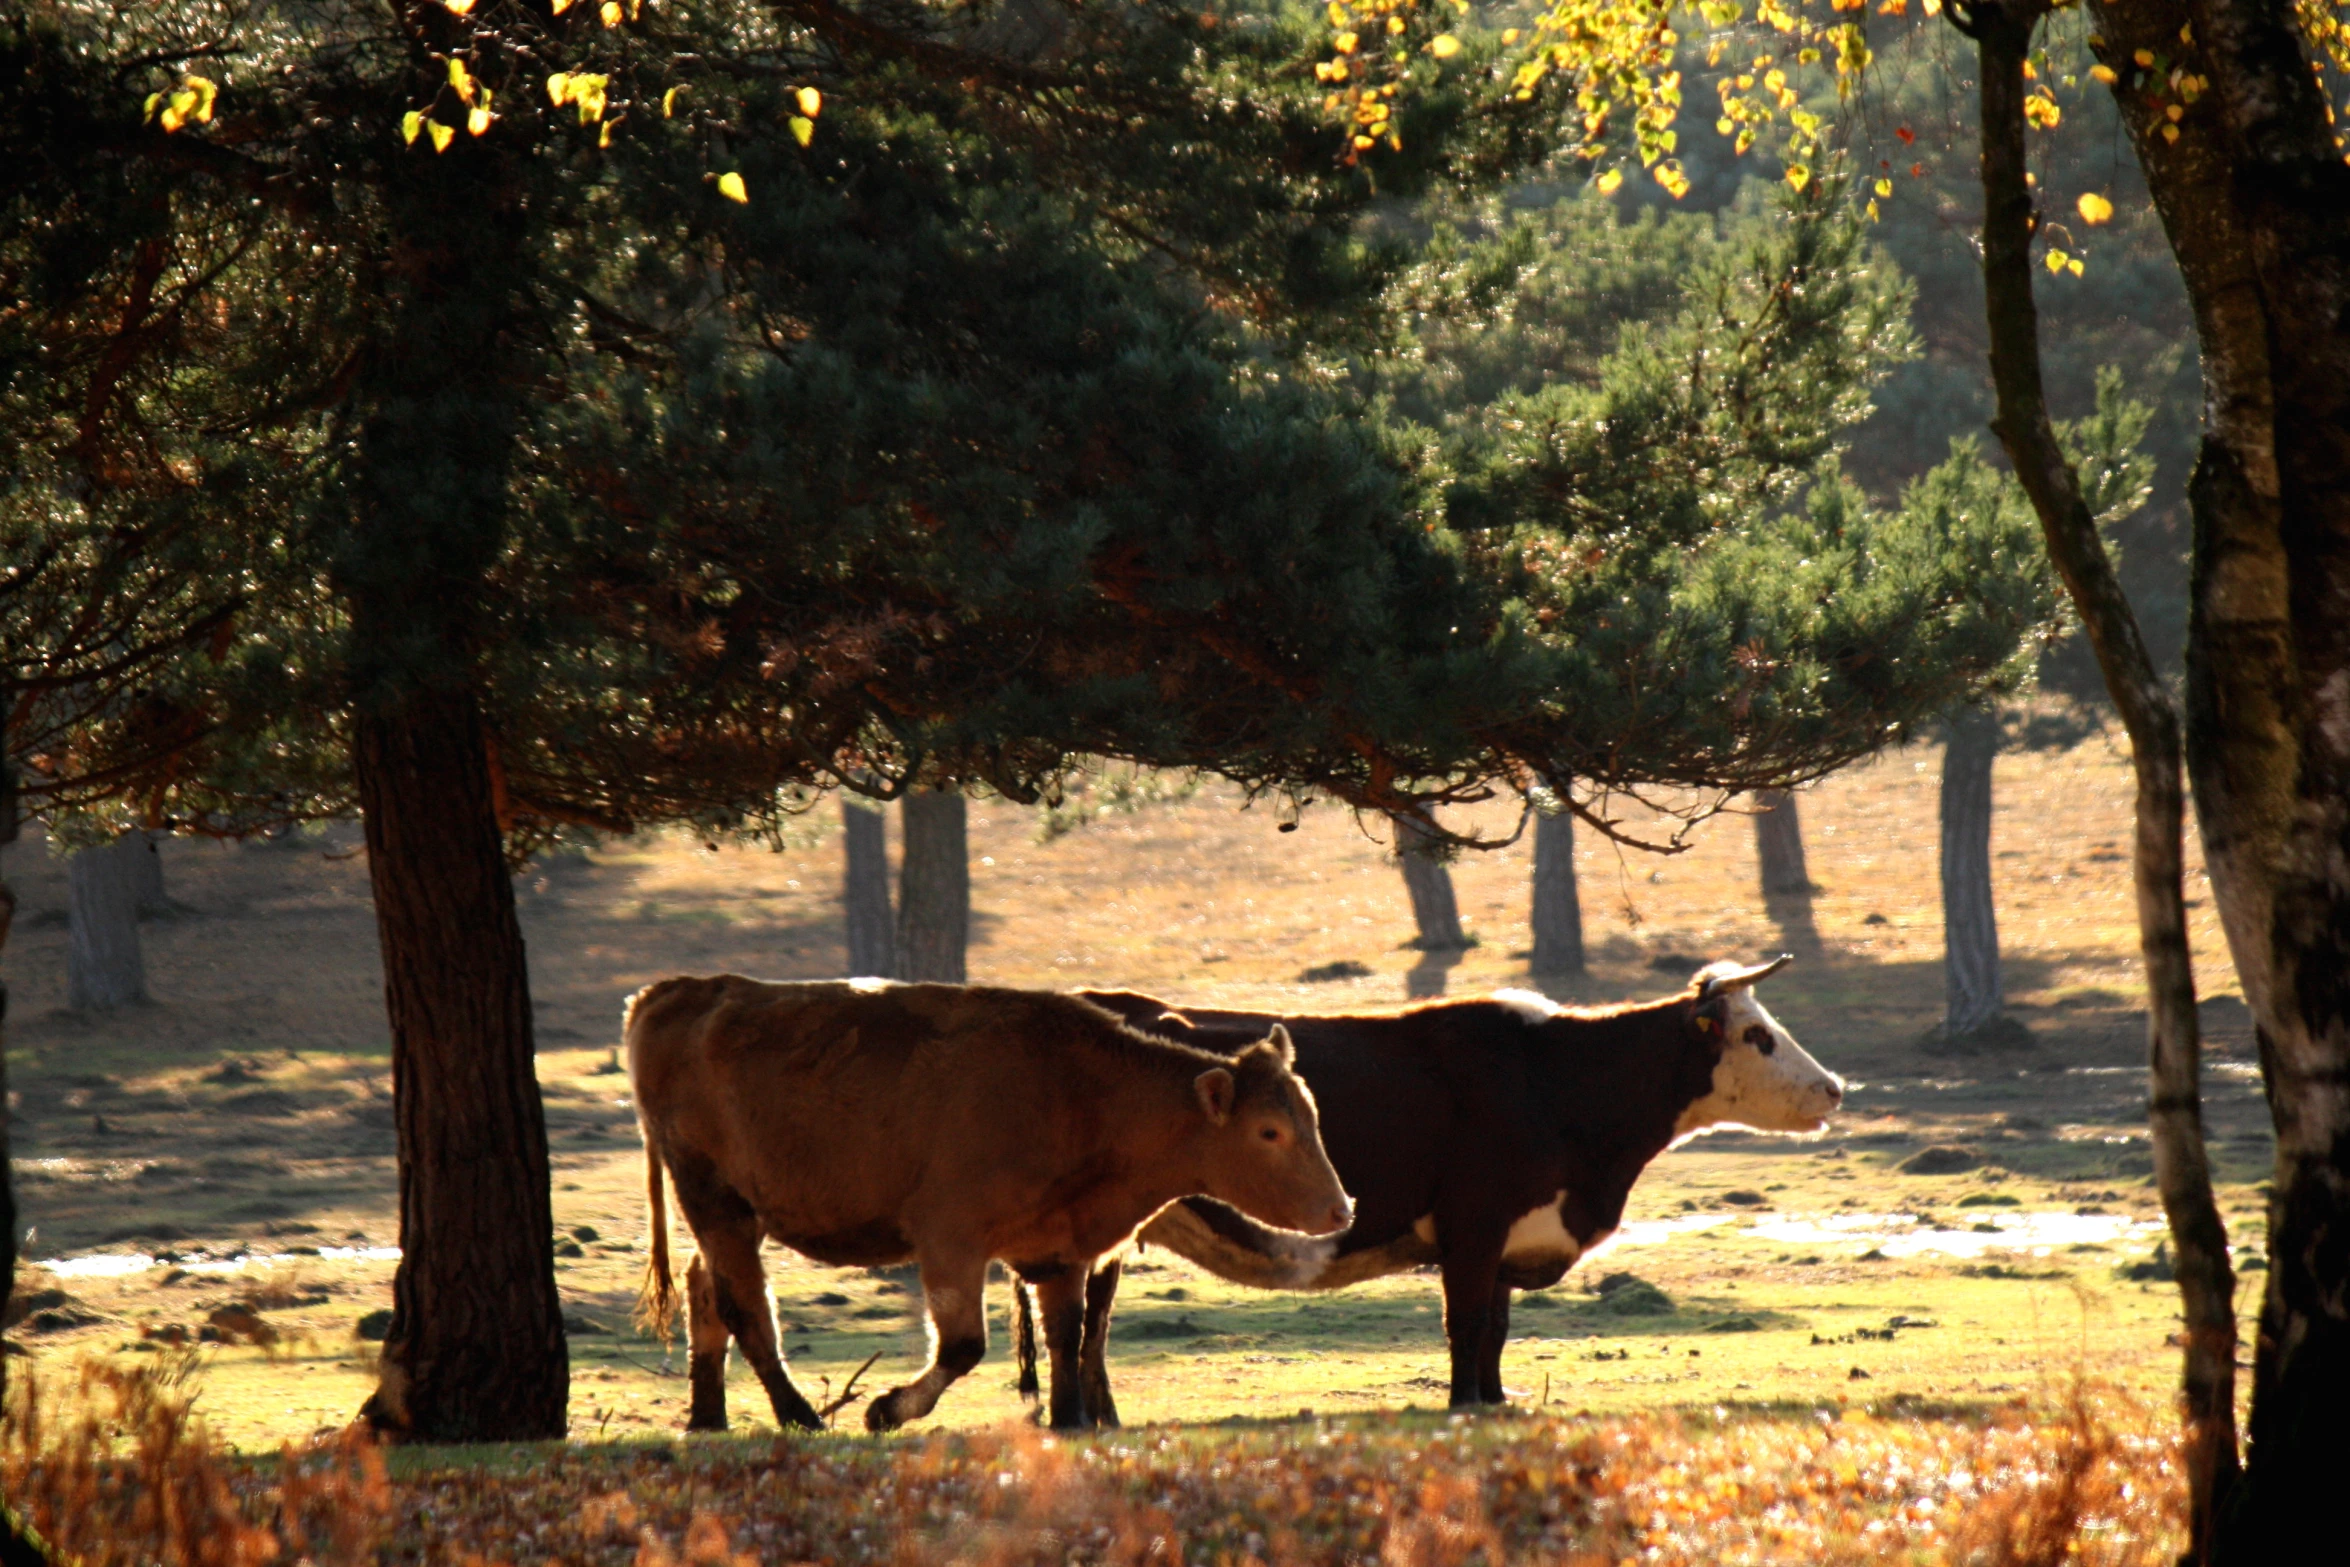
(1264, 1142)
(1762, 1078)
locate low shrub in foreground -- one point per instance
(127, 1477)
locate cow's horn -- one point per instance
(1726, 979)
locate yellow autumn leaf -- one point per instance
(2056, 260)
(477, 119)
(561, 6)
(1444, 46)
(811, 101)
(669, 102)
(1345, 42)
(604, 135)
(611, 13)
(1884, 187)
(411, 126)
(442, 135)
(559, 88)
(461, 79)
(1798, 175)
(1395, 24)
(803, 129)
(458, 7)
(2074, 266)
(1509, 35)
(1609, 181)
(1872, 209)
(2145, 59)
(2170, 133)
(730, 185)
(1336, 14)
(2094, 208)
(2103, 74)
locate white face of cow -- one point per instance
(1765, 1080)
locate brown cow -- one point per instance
(1496, 1138)
(864, 1123)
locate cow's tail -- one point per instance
(1024, 1339)
(656, 1301)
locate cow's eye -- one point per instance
(1271, 1134)
(1761, 1038)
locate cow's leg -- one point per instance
(955, 1291)
(708, 1341)
(1472, 1277)
(739, 1291)
(1093, 1356)
(1497, 1334)
(1060, 1301)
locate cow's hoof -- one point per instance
(882, 1414)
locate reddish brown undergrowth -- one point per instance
(115, 1471)
(115, 1468)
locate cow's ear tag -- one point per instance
(1215, 1090)
(1705, 1025)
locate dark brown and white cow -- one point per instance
(1495, 1138)
(867, 1124)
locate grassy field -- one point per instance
(230, 1145)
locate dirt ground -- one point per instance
(218, 1164)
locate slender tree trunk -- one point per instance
(1778, 843)
(934, 887)
(18, 1547)
(871, 929)
(475, 1350)
(104, 967)
(1428, 879)
(2182, 1172)
(1973, 993)
(1558, 907)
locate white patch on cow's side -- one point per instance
(1528, 1005)
(1541, 1236)
(1779, 1090)
(867, 984)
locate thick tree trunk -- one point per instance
(1778, 844)
(2182, 1171)
(1973, 993)
(104, 967)
(1435, 911)
(934, 887)
(475, 1350)
(1558, 907)
(864, 896)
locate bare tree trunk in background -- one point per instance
(104, 967)
(2191, 191)
(1778, 843)
(1429, 880)
(153, 900)
(864, 896)
(934, 887)
(1558, 906)
(1974, 994)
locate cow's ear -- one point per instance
(1279, 1040)
(1216, 1093)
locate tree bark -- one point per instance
(1974, 995)
(1778, 844)
(865, 911)
(934, 887)
(1557, 904)
(146, 857)
(2182, 1172)
(104, 966)
(1435, 911)
(475, 1350)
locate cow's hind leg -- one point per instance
(1471, 1281)
(955, 1291)
(727, 1231)
(1060, 1302)
(1101, 1293)
(1497, 1334)
(708, 1341)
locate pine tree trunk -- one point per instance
(934, 887)
(475, 1352)
(1435, 911)
(1557, 907)
(1778, 844)
(2192, 190)
(871, 929)
(17, 1547)
(104, 967)
(1973, 995)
